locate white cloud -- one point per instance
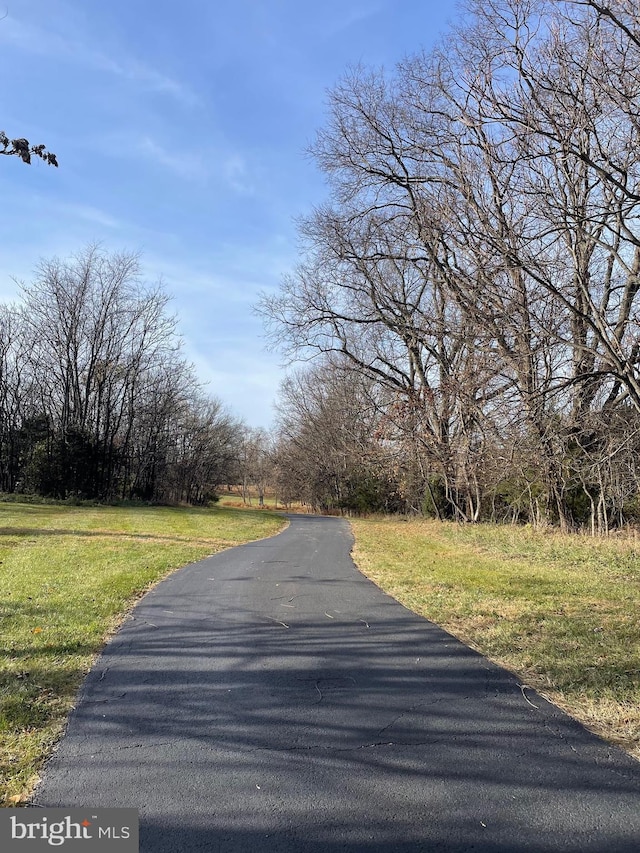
(48, 43)
(331, 26)
(67, 226)
(191, 165)
(147, 78)
(235, 172)
(88, 213)
(229, 169)
(248, 385)
(240, 275)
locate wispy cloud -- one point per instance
(191, 163)
(69, 212)
(352, 16)
(88, 213)
(240, 276)
(248, 384)
(38, 41)
(236, 174)
(145, 77)
(68, 225)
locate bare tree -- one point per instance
(15, 395)
(481, 257)
(96, 399)
(97, 331)
(331, 454)
(256, 463)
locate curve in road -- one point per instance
(270, 698)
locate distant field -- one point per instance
(562, 612)
(234, 499)
(67, 576)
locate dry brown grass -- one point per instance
(560, 611)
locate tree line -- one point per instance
(96, 398)
(469, 295)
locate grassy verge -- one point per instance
(67, 575)
(560, 611)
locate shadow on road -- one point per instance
(298, 710)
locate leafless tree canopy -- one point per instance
(96, 398)
(479, 262)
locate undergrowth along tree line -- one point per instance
(475, 277)
(96, 397)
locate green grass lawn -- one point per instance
(67, 576)
(560, 611)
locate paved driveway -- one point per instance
(270, 698)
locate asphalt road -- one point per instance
(270, 698)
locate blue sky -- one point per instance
(180, 129)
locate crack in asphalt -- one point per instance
(102, 701)
(321, 748)
(309, 748)
(107, 750)
(423, 705)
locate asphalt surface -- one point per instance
(270, 698)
